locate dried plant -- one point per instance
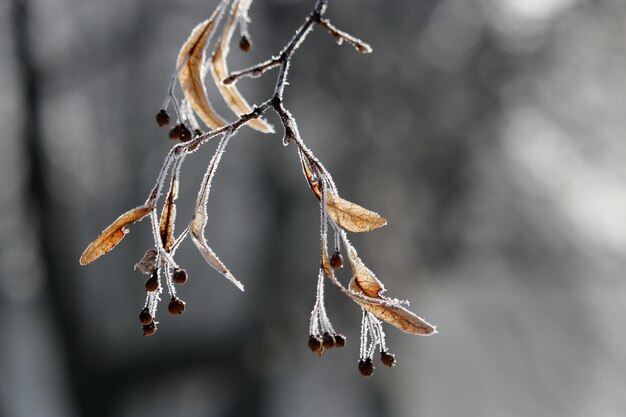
(341, 215)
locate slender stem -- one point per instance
(341, 36)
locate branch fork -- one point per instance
(336, 214)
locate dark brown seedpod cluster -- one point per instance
(387, 359)
(149, 329)
(152, 283)
(179, 276)
(318, 343)
(336, 261)
(145, 317)
(245, 43)
(180, 132)
(366, 367)
(340, 341)
(175, 132)
(328, 341)
(339, 216)
(176, 306)
(315, 344)
(162, 118)
(184, 133)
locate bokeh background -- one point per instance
(489, 132)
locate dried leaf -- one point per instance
(211, 258)
(398, 316)
(190, 61)
(168, 215)
(199, 221)
(346, 214)
(390, 311)
(147, 264)
(363, 280)
(351, 216)
(219, 71)
(113, 234)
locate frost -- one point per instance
(337, 215)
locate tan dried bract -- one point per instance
(219, 71)
(346, 214)
(190, 61)
(113, 234)
(387, 310)
(210, 256)
(166, 227)
(363, 280)
(147, 264)
(398, 316)
(314, 185)
(351, 216)
(199, 221)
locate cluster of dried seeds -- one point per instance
(337, 215)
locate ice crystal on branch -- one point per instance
(337, 215)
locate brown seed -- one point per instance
(245, 43)
(180, 276)
(336, 261)
(176, 306)
(149, 329)
(145, 317)
(328, 341)
(185, 134)
(162, 118)
(366, 367)
(315, 344)
(175, 133)
(388, 359)
(340, 340)
(152, 284)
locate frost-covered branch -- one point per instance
(336, 214)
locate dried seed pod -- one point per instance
(245, 43)
(328, 341)
(175, 132)
(152, 284)
(366, 367)
(180, 276)
(176, 306)
(340, 340)
(336, 261)
(149, 329)
(162, 118)
(315, 344)
(145, 317)
(185, 134)
(388, 359)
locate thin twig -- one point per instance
(341, 36)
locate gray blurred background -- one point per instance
(488, 132)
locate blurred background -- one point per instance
(488, 132)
